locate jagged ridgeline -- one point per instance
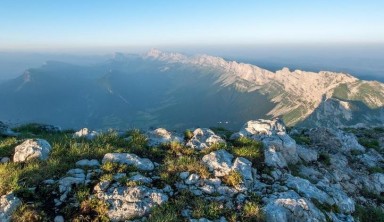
(177, 91)
(260, 173)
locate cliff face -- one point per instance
(260, 173)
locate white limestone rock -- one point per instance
(219, 162)
(127, 203)
(203, 138)
(289, 206)
(86, 133)
(129, 159)
(161, 136)
(32, 149)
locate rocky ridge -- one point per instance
(284, 86)
(263, 172)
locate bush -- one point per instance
(325, 158)
(188, 134)
(252, 212)
(302, 139)
(369, 143)
(250, 149)
(28, 213)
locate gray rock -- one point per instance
(192, 179)
(344, 203)
(262, 127)
(59, 219)
(140, 178)
(32, 149)
(129, 159)
(127, 203)
(308, 190)
(88, 163)
(86, 133)
(208, 189)
(377, 182)
(371, 158)
(161, 136)
(5, 160)
(219, 162)
(244, 167)
(184, 175)
(8, 204)
(203, 138)
(289, 206)
(272, 156)
(307, 155)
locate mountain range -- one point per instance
(164, 89)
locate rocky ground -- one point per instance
(264, 172)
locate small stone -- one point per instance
(88, 163)
(192, 179)
(5, 160)
(59, 219)
(184, 175)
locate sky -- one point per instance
(47, 24)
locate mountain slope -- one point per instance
(177, 91)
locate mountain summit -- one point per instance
(175, 90)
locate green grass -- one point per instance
(188, 134)
(171, 211)
(302, 139)
(249, 149)
(375, 170)
(171, 168)
(379, 199)
(222, 132)
(370, 143)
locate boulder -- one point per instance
(32, 149)
(203, 138)
(86, 133)
(8, 204)
(161, 136)
(129, 159)
(219, 162)
(127, 203)
(289, 206)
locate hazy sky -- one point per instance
(90, 23)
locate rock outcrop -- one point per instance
(32, 149)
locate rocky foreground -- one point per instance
(261, 173)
